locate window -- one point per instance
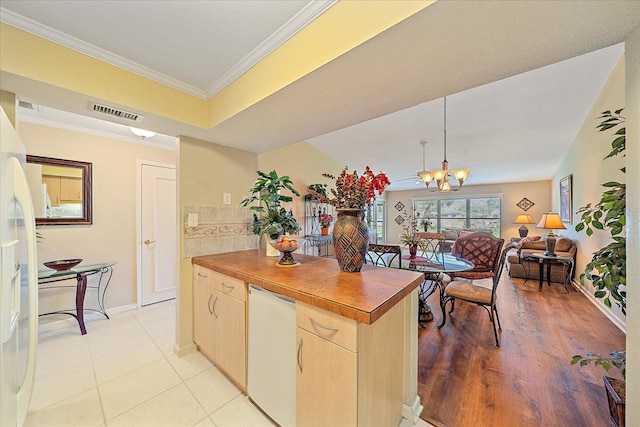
(375, 221)
(474, 213)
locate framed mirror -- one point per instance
(60, 190)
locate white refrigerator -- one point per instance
(18, 273)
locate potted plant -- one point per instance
(607, 269)
(325, 219)
(316, 189)
(270, 218)
(409, 236)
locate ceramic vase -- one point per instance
(324, 231)
(413, 251)
(350, 239)
(271, 251)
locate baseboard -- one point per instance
(53, 323)
(603, 309)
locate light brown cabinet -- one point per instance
(70, 189)
(63, 189)
(219, 321)
(53, 188)
(344, 376)
(203, 309)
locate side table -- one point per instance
(547, 260)
(80, 273)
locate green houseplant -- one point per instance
(607, 269)
(269, 216)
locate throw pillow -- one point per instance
(527, 239)
(563, 244)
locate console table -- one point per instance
(542, 259)
(80, 273)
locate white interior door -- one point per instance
(158, 233)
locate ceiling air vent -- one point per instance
(27, 105)
(115, 112)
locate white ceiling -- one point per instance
(374, 104)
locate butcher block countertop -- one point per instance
(363, 296)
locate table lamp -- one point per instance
(551, 221)
(523, 219)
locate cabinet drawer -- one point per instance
(330, 326)
(204, 275)
(231, 286)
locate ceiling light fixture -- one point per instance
(142, 133)
(441, 177)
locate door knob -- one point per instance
(148, 242)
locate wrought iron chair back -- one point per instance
(431, 245)
(483, 250)
(384, 255)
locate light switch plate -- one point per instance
(192, 220)
(226, 198)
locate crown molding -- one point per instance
(300, 20)
(306, 15)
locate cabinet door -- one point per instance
(53, 188)
(70, 189)
(326, 383)
(230, 332)
(204, 305)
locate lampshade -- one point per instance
(524, 219)
(142, 133)
(551, 221)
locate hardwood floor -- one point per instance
(465, 380)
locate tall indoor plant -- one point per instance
(607, 270)
(270, 218)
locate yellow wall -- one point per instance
(112, 236)
(8, 104)
(584, 161)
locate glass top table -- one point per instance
(47, 278)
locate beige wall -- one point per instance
(585, 162)
(205, 172)
(112, 236)
(536, 191)
(304, 164)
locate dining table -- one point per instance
(434, 266)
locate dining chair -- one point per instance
(477, 286)
(432, 244)
(384, 255)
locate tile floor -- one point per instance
(124, 373)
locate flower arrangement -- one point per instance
(325, 219)
(409, 236)
(354, 191)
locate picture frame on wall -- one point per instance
(566, 199)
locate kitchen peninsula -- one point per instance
(358, 364)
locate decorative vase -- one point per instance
(350, 239)
(324, 231)
(413, 251)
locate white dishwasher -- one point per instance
(271, 381)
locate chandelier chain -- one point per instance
(445, 128)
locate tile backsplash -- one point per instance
(220, 229)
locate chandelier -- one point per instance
(441, 177)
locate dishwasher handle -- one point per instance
(256, 288)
